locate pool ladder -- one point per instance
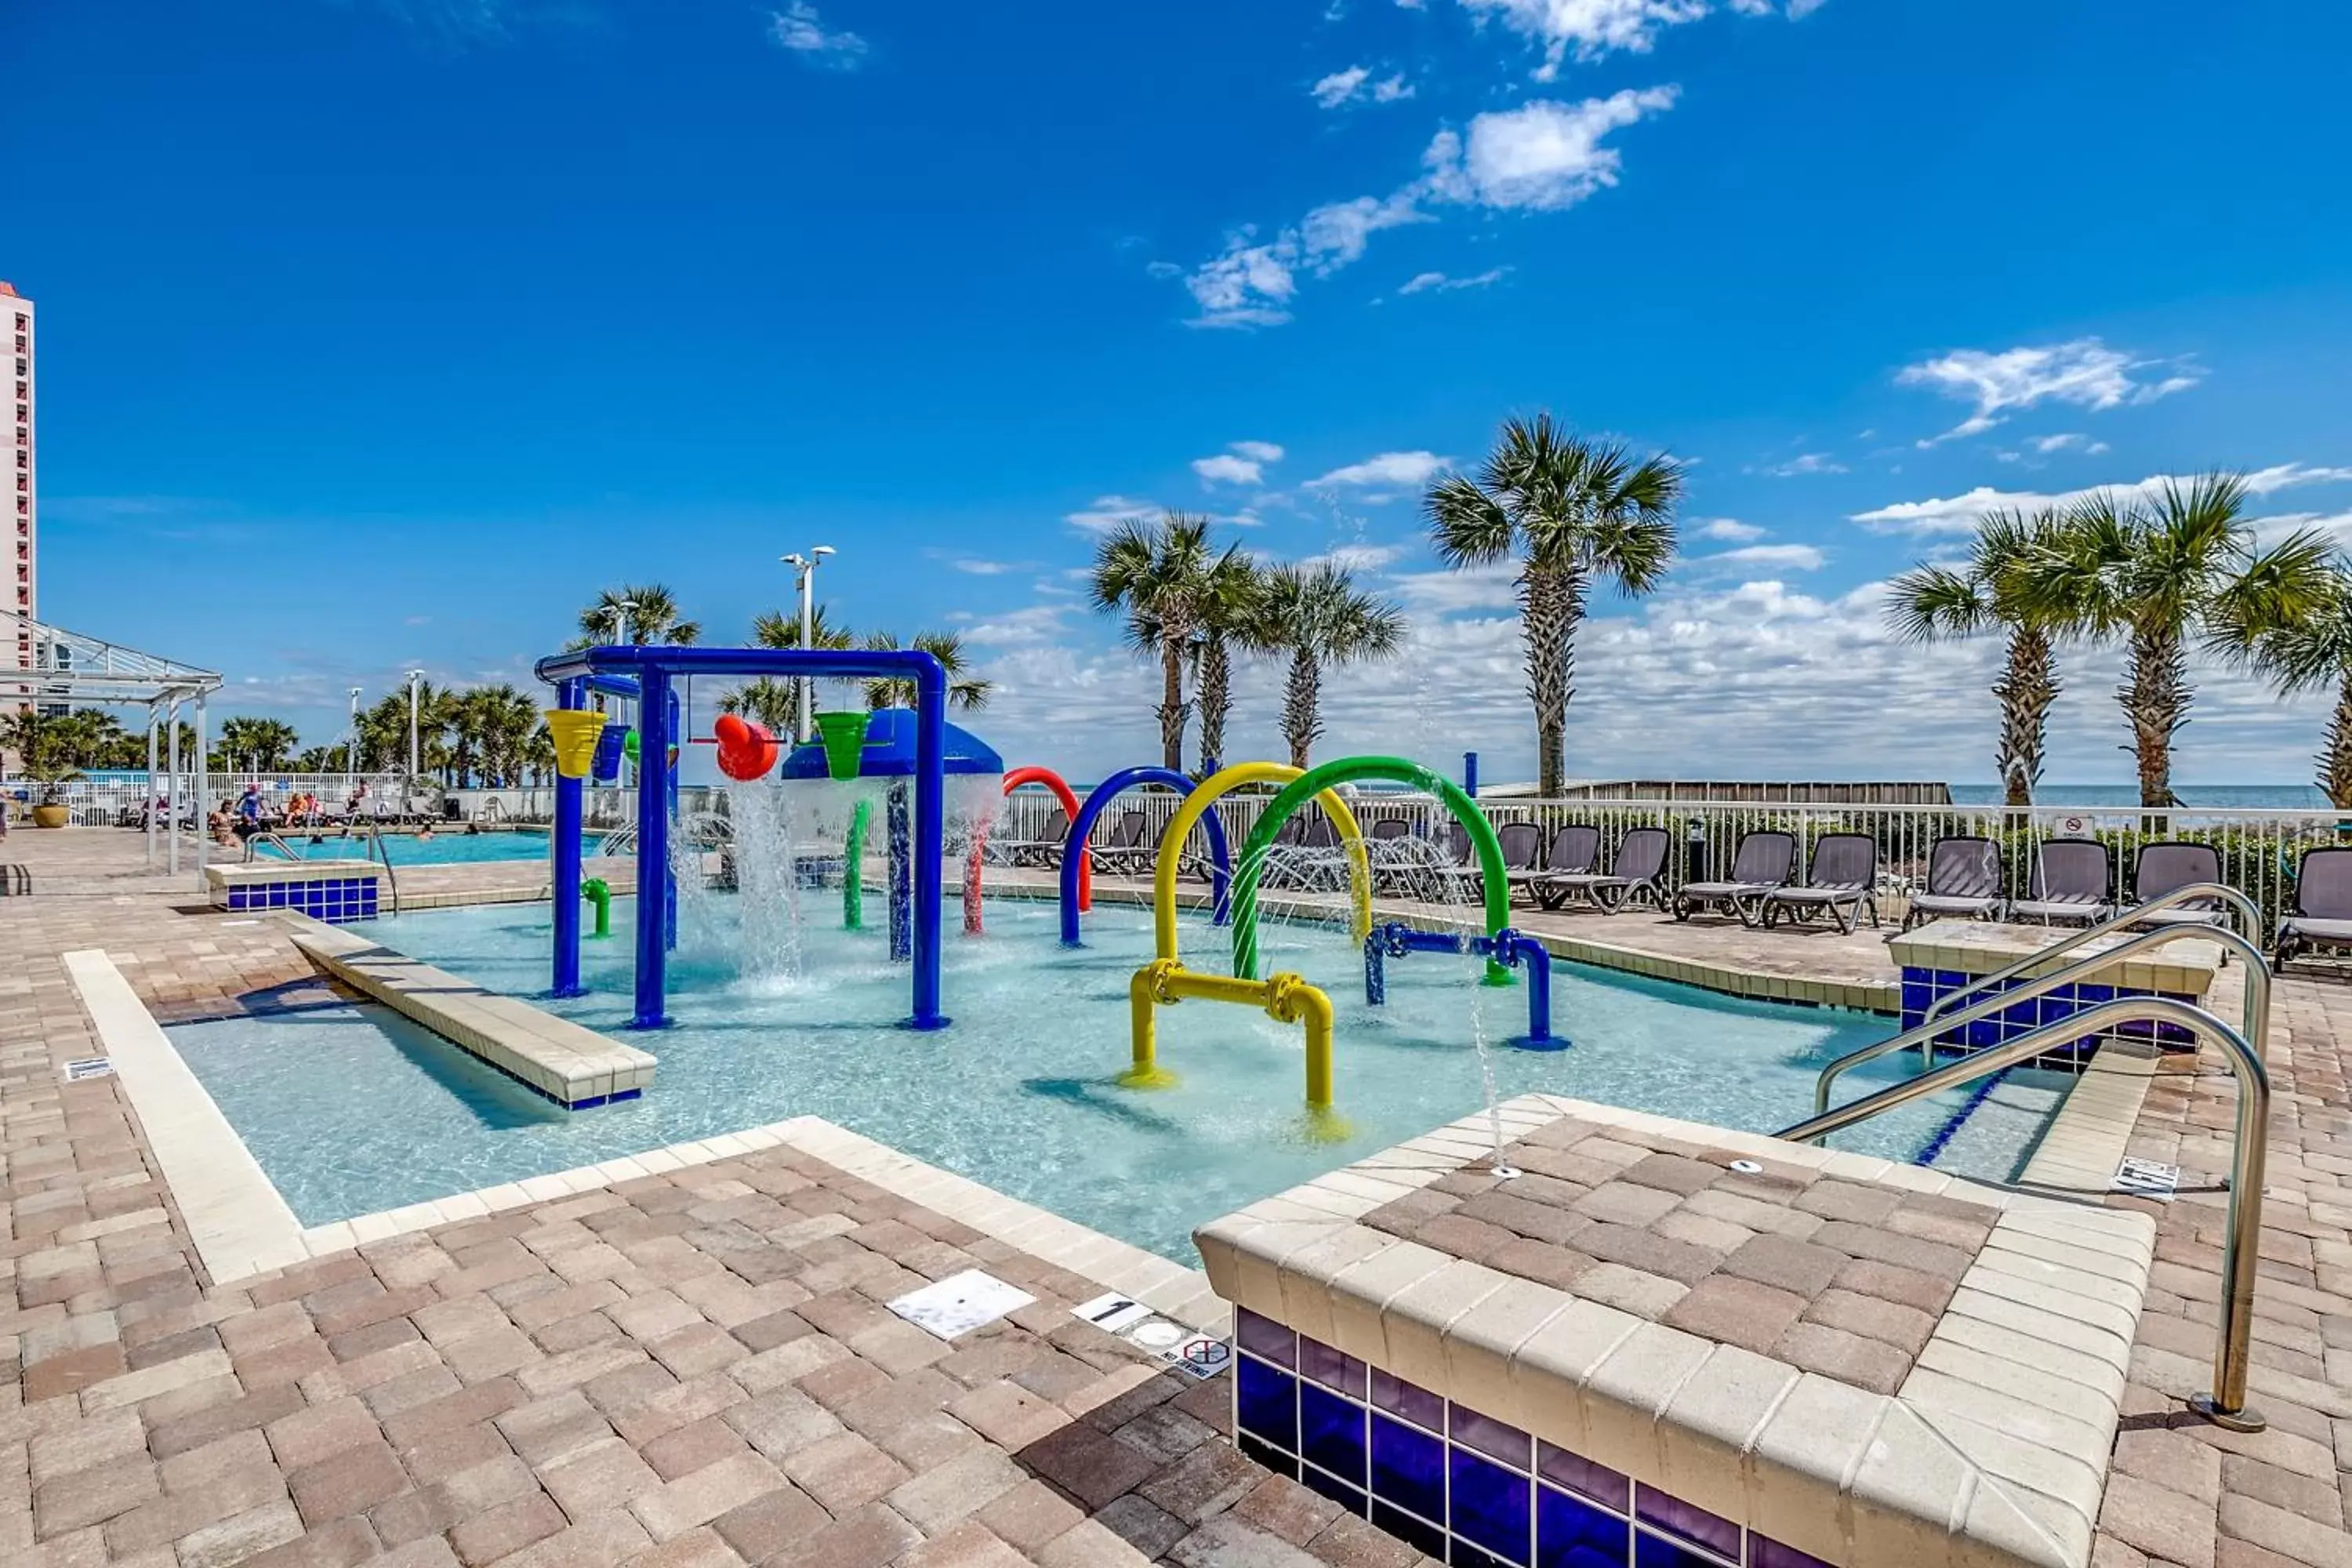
(2226, 1405)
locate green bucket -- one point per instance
(844, 738)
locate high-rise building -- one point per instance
(23, 536)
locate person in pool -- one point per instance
(425, 833)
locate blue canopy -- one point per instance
(889, 751)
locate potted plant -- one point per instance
(50, 808)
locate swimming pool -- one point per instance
(1019, 1094)
(454, 847)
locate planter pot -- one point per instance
(52, 815)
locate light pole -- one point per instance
(413, 677)
(351, 747)
(807, 566)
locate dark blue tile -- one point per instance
(626, 1093)
(1331, 1368)
(1414, 1402)
(1417, 1533)
(1408, 1468)
(1578, 1474)
(1266, 1454)
(1495, 1440)
(1338, 1491)
(1265, 1337)
(1657, 1551)
(1265, 1403)
(1332, 1433)
(1468, 1556)
(1489, 1506)
(1572, 1534)
(1763, 1552)
(1693, 1523)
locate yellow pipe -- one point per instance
(1188, 816)
(1287, 998)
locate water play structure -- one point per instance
(1082, 823)
(917, 751)
(1512, 948)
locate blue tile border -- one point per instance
(338, 901)
(1456, 1483)
(1923, 988)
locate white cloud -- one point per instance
(1492, 587)
(2084, 373)
(979, 568)
(1357, 557)
(2068, 441)
(1340, 86)
(1795, 557)
(1729, 530)
(1227, 470)
(1258, 451)
(1409, 469)
(799, 28)
(1108, 512)
(1957, 514)
(1806, 463)
(1421, 283)
(1591, 27)
(1392, 89)
(1031, 626)
(1541, 157)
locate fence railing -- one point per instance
(2259, 849)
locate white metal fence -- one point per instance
(2259, 849)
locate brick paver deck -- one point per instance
(590, 1381)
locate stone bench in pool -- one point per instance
(330, 891)
(1634, 1350)
(554, 1057)
(1948, 956)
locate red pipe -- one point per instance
(1069, 803)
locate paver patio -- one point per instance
(655, 1373)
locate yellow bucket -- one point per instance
(574, 733)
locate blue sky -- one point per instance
(385, 331)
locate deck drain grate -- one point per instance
(960, 1303)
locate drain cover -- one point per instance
(960, 1303)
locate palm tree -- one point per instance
(264, 746)
(1574, 512)
(2153, 575)
(499, 720)
(1158, 575)
(1229, 605)
(1934, 603)
(1317, 617)
(2308, 653)
(774, 704)
(966, 692)
(652, 618)
(778, 629)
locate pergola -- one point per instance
(46, 665)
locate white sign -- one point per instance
(2147, 1178)
(1113, 1313)
(1200, 1356)
(960, 1303)
(88, 1066)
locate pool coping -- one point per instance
(1955, 1466)
(241, 1225)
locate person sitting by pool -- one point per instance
(223, 824)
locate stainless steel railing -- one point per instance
(2226, 1405)
(1937, 1022)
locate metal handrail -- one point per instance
(1933, 1026)
(2130, 917)
(2226, 1405)
(253, 841)
(376, 849)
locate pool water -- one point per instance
(455, 847)
(348, 1118)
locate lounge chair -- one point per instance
(1044, 851)
(2322, 917)
(2072, 879)
(1763, 862)
(1963, 881)
(1842, 882)
(1521, 843)
(1569, 866)
(2165, 866)
(1131, 844)
(1638, 871)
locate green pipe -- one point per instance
(1349, 770)
(853, 871)
(595, 890)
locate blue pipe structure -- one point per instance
(569, 798)
(1511, 949)
(653, 667)
(1097, 802)
(901, 889)
(1470, 774)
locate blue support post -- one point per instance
(677, 737)
(654, 886)
(902, 936)
(569, 793)
(930, 837)
(1470, 774)
(1221, 875)
(1517, 950)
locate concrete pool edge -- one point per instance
(1994, 1448)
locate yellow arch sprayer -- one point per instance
(1287, 998)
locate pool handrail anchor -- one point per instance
(1511, 947)
(2225, 1407)
(1210, 790)
(1287, 998)
(1937, 1022)
(1321, 781)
